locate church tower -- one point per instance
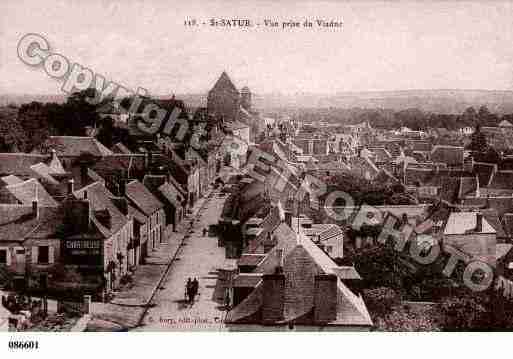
(245, 98)
(224, 99)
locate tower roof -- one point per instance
(225, 83)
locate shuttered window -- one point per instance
(3, 256)
(43, 256)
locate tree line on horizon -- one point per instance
(25, 127)
(413, 118)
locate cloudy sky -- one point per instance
(382, 45)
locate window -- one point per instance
(43, 254)
(329, 249)
(3, 256)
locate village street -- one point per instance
(200, 257)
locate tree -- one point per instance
(486, 117)
(465, 312)
(12, 136)
(489, 156)
(80, 110)
(469, 116)
(381, 300)
(106, 133)
(389, 314)
(34, 118)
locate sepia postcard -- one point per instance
(237, 166)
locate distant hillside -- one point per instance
(438, 101)
(7, 99)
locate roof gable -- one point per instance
(224, 83)
(74, 146)
(30, 191)
(143, 198)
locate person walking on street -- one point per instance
(195, 286)
(189, 290)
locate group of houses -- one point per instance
(78, 217)
(82, 217)
(432, 175)
(289, 267)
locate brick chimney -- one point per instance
(122, 188)
(273, 298)
(35, 209)
(71, 186)
(83, 175)
(479, 222)
(288, 218)
(78, 215)
(325, 298)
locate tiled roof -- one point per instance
(249, 259)
(138, 215)
(412, 211)
(270, 223)
(18, 164)
(224, 83)
(247, 280)
(301, 262)
(75, 146)
(18, 221)
(55, 165)
(324, 231)
(452, 155)
(100, 199)
(132, 166)
(11, 179)
(31, 190)
(347, 273)
(178, 187)
(143, 198)
(44, 172)
(171, 194)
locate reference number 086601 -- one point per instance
(23, 345)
